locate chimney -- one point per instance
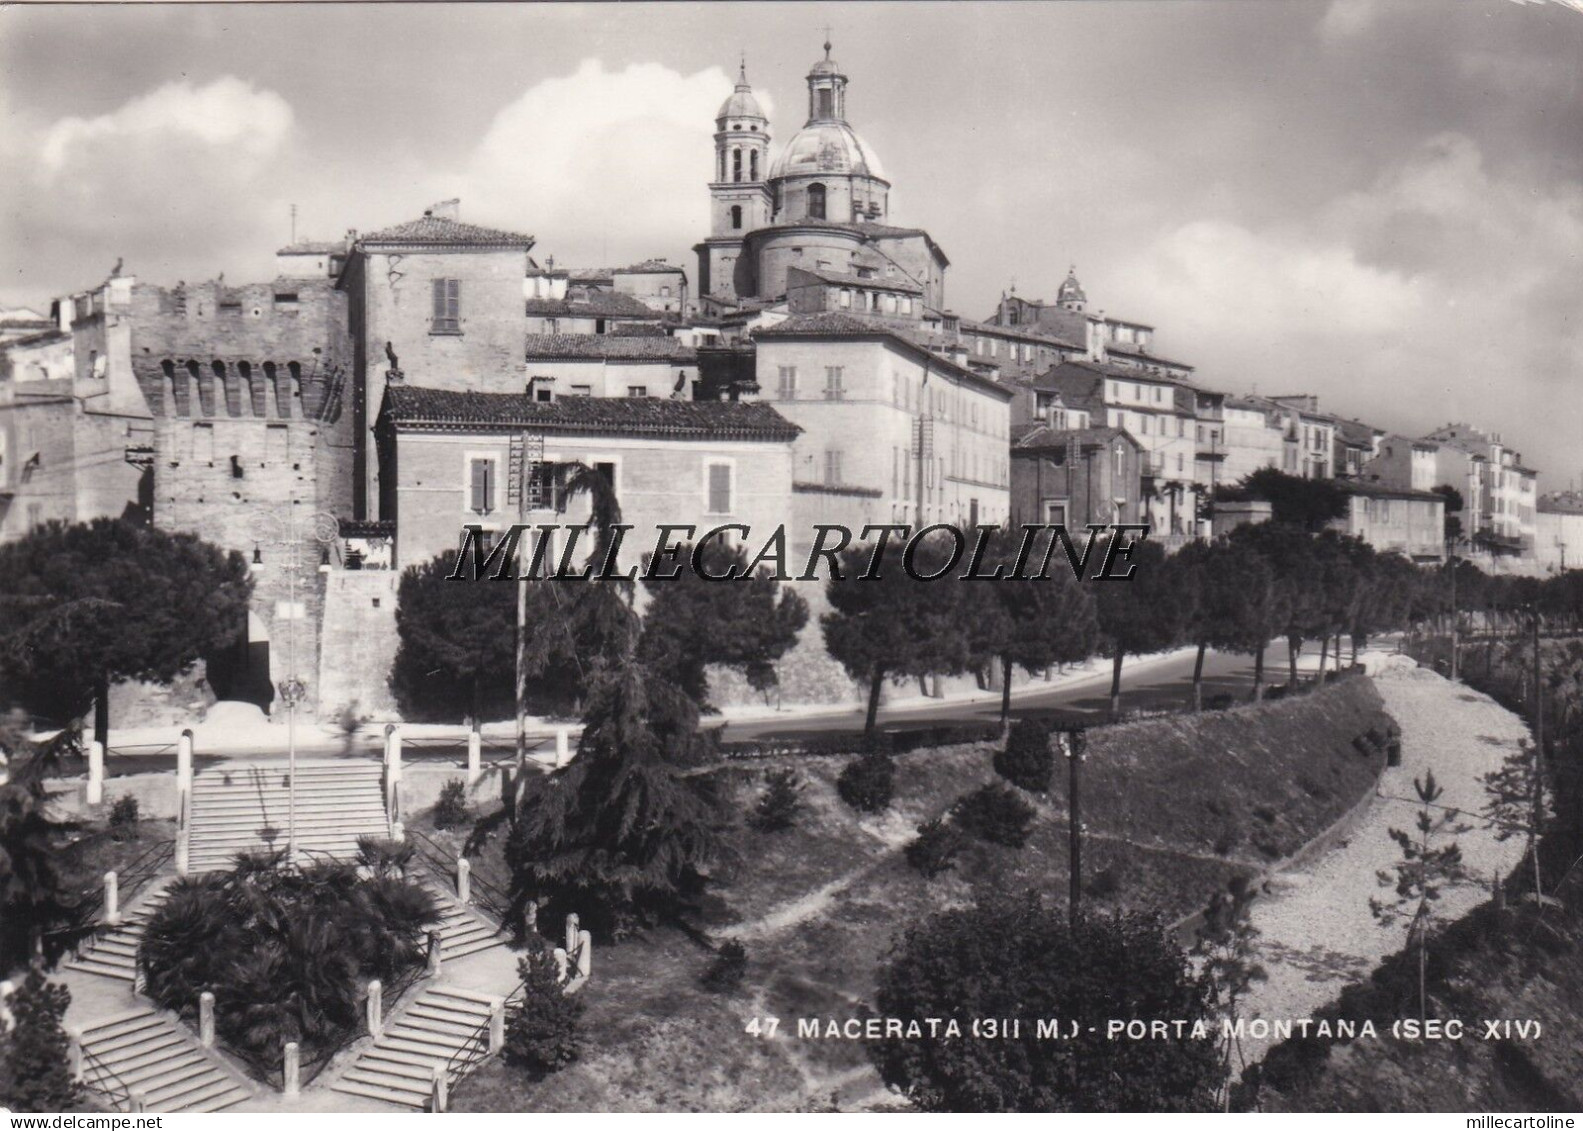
(1096, 338)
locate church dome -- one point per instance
(826, 147)
(741, 104)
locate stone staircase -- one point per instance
(245, 809)
(149, 1054)
(463, 931)
(430, 1033)
(113, 952)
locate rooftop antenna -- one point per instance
(293, 223)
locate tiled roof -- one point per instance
(1084, 369)
(1041, 437)
(598, 304)
(313, 247)
(1381, 491)
(869, 231)
(1147, 357)
(1357, 432)
(650, 267)
(608, 347)
(833, 324)
(437, 231)
(840, 279)
(443, 410)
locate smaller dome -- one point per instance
(825, 66)
(741, 104)
(1071, 290)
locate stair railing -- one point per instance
(441, 863)
(479, 1045)
(99, 1079)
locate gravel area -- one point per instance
(1317, 934)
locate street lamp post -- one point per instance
(292, 689)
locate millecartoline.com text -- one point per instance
(928, 553)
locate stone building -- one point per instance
(891, 432)
(447, 459)
(1395, 520)
(822, 204)
(439, 302)
(572, 365)
(1558, 531)
(1501, 495)
(1076, 476)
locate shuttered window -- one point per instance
(447, 306)
(483, 485)
(719, 488)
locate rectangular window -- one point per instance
(832, 383)
(447, 307)
(608, 470)
(719, 488)
(832, 468)
(788, 382)
(277, 445)
(481, 477)
(637, 390)
(582, 390)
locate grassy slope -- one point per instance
(818, 905)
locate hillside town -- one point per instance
(291, 821)
(810, 370)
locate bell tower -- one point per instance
(740, 195)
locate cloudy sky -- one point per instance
(1379, 202)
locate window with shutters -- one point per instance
(447, 307)
(481, 485)
(719, 488)
(833, 389)
(788, 383)
(832, 468)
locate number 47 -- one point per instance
(764, 1028)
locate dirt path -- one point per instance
(1317, 933)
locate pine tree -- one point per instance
(623, 831)
(1227, 965)
(1512, 807)
(541, 1032)
(1431, 862)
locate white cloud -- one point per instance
(602, 162)
(226, 113)
(1443, 290)
(1345, 19)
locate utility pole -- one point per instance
(1539, 751)
(1453, 562)
(1076, 743)
(527, 456)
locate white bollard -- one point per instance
(560, 964)
(206, 1019)
(573, 926)
(439, 1089)
(95, 773)
(436, 941)
(184, 761)
(137, 1102)
(376, 1008)
(464, 880)
(291, 1070)
(563, 747)
(74, 1052)
(112, 899)
(475, 756)
(398, 831)
(585, 954)
(497, 1025)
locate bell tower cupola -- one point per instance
(826, 90)
(741, 200)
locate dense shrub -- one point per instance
(385, 858)
(284, 951)
(868, 782)
(35, 1075)
(995, 814)
(726, 972)
(450, 811)
(1025, 761)
(780, 802)
(935, 848)
(1106, 882)
(123, 818)
(972, 962)
(541, 1033)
